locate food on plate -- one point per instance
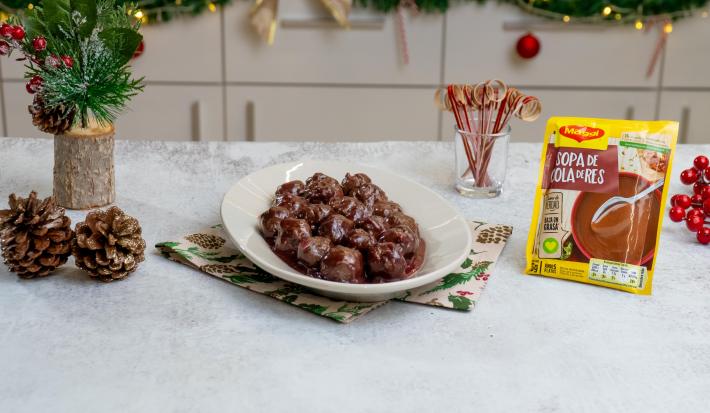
(345, 231)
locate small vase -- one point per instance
(83, 168)
(481, 162)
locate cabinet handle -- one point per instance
(629, 112)
(375, 23)
(250, 125)
(684, 124)
(196, 112)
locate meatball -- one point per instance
(374, 224)
(386, 261)
(343, 264)
(291, 232)
(292, 188)
(321, 178)
(312, 250)
(321, 192)
(399, 219)
(369, 194)
(293, 203)
(359, 239)
(385, 208)
(316, 213)
(352, 182)
(403, 236)
(350, 208)
(270, 220)
(336, 227)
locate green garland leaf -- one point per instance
(122, 42)
(57, 17)
(87, 11)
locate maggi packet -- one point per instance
(599, 201)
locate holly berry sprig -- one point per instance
(36, 51)
(695, 209)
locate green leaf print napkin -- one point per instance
(210, 251)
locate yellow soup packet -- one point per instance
(599, 201)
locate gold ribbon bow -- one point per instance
(264, 15)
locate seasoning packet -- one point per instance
(599, 201)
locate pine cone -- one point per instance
(55, 120)
(108, 244)
(206, 241)
(35, 236)
(494, 235)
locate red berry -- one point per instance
(706, 207)
(705, 192)
(694, 223)
(68, 61)
(689, 176)
(39, 43)
(18, 33)
(34, 84)
(707, 174)
(696, 200)
(695, 212)
(681, 200)
(704, 235)
(698, 187)
(6, 30)
(676, 214)
(701, 162)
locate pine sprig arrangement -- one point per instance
(77, 54)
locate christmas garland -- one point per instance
(585, 11)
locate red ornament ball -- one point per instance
(39, 43)
(694, 223)
(528, 46)
(701, 162)
(18, 33)
(681, 200)
(676, 214)
(689, 176)
(704, 235)
(695, 212)
(139, 49)
(698, 187)
(6, 30)
(68, 61)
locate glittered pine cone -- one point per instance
(108, 244)
(35, 236)
(55, 120)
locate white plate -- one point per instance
(446, 232)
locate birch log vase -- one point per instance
(83, 168)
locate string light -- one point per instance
(566, 19)
(638, 25)
(704, 14)
(668, 28)
(606, 11)
(617, 16)
(30, 6)
(139, 14)
(178, 2)
(212, 7)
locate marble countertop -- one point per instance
(171, 339)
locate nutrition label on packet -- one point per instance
(617, 273)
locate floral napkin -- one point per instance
(211, 252)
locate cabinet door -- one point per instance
(478, 48)
(179, 113)
(296, 113)
(187, 49)
(687, 60)
(323, 53)
(580, 103)
(692, 110)
(160, 112)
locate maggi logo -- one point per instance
(581, 133)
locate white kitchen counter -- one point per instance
(172, 339)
